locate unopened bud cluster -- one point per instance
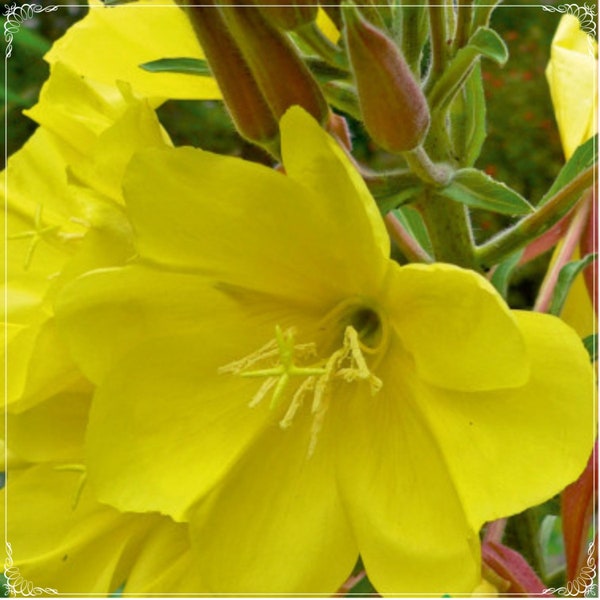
(265, 57)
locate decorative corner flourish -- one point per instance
(16, 584)
(15, 16)
(584, 583)
(585, 14)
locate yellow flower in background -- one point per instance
(61, 537)
(572, 77)
(268, 375)
(571, 74)
(64, 217)
(110, 43)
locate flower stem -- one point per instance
(463, 24)
(449, 230)
(535, 224)
(436, 175)
(437, 26)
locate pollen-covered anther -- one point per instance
(347, 364)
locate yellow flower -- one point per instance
(571, 74)
(64, 217)
(109, 44)
(61, 537)
(266, 373)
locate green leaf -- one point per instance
(566, 277)
(408, 194)
(484, 42)
(585, 156)
(591, 345)
(478, 190)
(411, 220)
(12, 97)
(467, 114)
(488, 43)
(187, 66)
(503, 272)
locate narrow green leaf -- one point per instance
(187, 66)
(478, 190)
(488, 43)
(503, 272)
(408, 194)
(584, 157)
(411, 220)
(566, 277)
(484, 42)
(467, 114)
(591, 345)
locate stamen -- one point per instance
(347, 363)
(296, 403)
(262, 391)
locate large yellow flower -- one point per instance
(266, 373)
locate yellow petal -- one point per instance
(53, 430)
(109, 45)
(81, 550)
(276, 525)
(508, 450)
(180, 423)
(164, 564)
(313, 158)
(245, 225)
(75, 108)
(571, 74)
(458, 330)
(409, 522)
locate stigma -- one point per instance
(293, 373)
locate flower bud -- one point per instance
(281, 74)
(394, 108)
(288, 15)
(242, 96)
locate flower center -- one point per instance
(351, 340)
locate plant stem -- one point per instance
(437, 26)
(495, 531)
(449, 230)
(434, 174)
(463, 24)
(535, 224)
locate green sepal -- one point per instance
(584, 157)
(566, 277)
(187, 66)
(591, 345)
(503, 272)
(478, 190)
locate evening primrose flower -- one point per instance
(267, 374)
